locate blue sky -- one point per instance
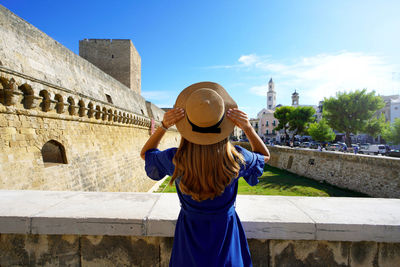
(315, 47)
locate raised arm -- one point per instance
(241, 120)
(170, 118)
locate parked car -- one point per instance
(314, 145)
(394, 153)
(305, 144)
(334, 147)
(372, 149)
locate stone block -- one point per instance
(309, 253)
(95, 214)
(363, 254)
(14, 123)
(259, 251)
(8, 130)
(166, 244)
(119, 251)
(27, 131)
(389, 255)
(262, 218)
(35, 250)
(162, 219)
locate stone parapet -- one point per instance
(377, 176)
(145, 214)
(136, 229)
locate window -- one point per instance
(53, 153)
(273, 131)
(109, 99)
(266, 124)
(269, 98)
(269, 106)
(267, 132)
(274, 123)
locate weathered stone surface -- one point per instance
(162, 218)
(102, 140)
(364, 254)
(99, 157)
(101, 250)
(389, 254)
(376, 176)
(262, 217)
(352, 220)
(39, 250)
(119, 251)
(147, 214)
(259, 251)
(166, 244)
(308, 253)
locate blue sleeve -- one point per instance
(254, 166)
(159, 163)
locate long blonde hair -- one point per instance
(206, 170)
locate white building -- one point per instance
(394, 109)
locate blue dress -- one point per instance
(208, 233)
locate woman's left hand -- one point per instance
(171, 117)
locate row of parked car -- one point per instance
(367, 149)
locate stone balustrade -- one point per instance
(40, 97)
(136, 229)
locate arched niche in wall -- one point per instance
(53, 153)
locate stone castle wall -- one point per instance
(25, 49)
(48, 93)
(376, 176)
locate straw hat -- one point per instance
(205, 106)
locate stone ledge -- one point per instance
(145, 214)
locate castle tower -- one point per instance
(118, 58)
(295, 99)
(271, 95)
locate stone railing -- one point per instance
(33, 96)
(136, 229)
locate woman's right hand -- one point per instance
(171, 117)
(239, 118)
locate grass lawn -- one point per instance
(275, 181)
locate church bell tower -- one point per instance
(295, 99)
(271, 95)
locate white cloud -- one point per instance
(155, 95)
(248, 60)
(323, 75)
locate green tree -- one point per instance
(299, 119)
(282, 114)
(321, 131)
(349, 112)
(392, 133)
(375, 126)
